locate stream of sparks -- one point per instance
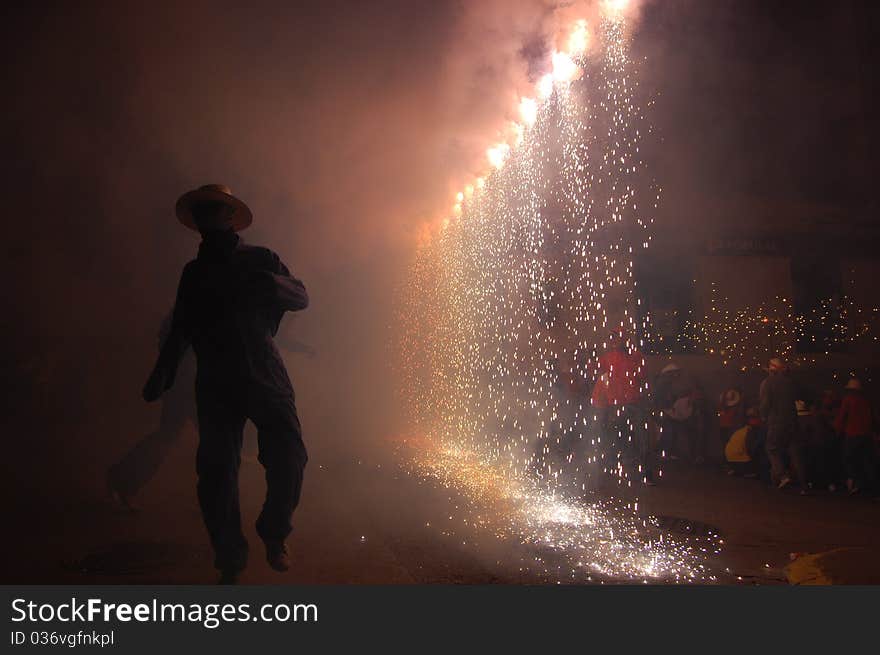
(521, 290)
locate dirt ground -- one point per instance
(365, 521)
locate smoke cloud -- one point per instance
(346, 126)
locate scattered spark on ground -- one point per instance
(569, 538)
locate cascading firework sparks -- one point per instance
(516, 298)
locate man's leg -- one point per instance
(672, 438)
(221, 421)
(692, 439)
(858, 451)
(642, 437)
(283, 455)
(850, 462)
(798, 459)
(775, 449)
(620, 442)
(834, 459)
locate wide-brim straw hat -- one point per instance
(241, 215)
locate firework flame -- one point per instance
(615, 8)
(579, 39)
(497, 154)
(528, 110)
(564, 68)
(545, 86)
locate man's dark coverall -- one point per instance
(230, 301)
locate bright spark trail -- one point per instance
(517, 296)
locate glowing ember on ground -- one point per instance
(593, 541)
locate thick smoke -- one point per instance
(347, 126)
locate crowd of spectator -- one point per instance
(794, 435)
(783, 432)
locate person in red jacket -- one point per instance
(855, 426)
(624, 368)
(617, 396)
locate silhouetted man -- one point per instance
(230, 301)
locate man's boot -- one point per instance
(277, 555)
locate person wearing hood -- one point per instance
(230, 302)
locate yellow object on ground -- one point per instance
(736, 449)
(841, 566)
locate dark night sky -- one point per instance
(346, 125)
